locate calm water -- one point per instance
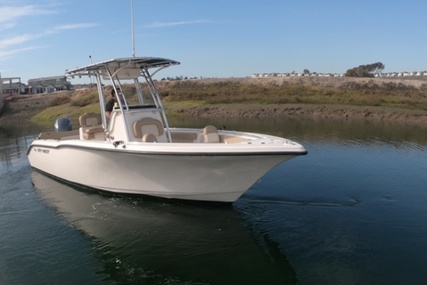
(353, 211)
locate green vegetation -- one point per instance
(86, 99)
(60, 100)
(181, 95)
(50, 114)
(368, 93)
(74, 105)
(65, 106)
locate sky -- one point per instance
(213, 38)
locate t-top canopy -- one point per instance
(123, 67)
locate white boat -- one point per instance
(137, 152)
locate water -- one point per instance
(353, 211)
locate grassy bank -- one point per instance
(329, 91)
(328, 98)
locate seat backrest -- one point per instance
(210, 134)
(147, 126)
(149, 138)
(90, 119)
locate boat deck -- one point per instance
(184, 136)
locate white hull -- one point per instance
(200, 173)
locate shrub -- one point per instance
(85, 100)
(59, 100)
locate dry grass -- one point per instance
(341, 91)
(404, 99)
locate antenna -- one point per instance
(90, 60)
(132, 26)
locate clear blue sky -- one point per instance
(221, 38)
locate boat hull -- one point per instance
(204, 176)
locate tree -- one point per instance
(368, 70)
(306, 71)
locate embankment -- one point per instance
(397, 99)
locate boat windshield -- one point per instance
(129, 95)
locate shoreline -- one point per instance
(307, 111)
(20, 111)
(21, 108)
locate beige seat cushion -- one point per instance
(149, 138)
(147, 126)
(91, 126)
(90, 119)
(210, 134)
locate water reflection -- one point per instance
(156, 241)
(317, 130)
(306, 129)
(12, 149)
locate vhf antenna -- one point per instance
(132, 25)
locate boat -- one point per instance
(136, 151)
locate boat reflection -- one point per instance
(155, 241)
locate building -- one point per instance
(48, 84)
(13, 86)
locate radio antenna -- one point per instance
(132, 26)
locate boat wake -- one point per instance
(253, 199)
